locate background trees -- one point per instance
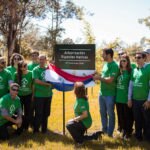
(19, 32)
(15, 15)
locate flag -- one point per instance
(64, 81)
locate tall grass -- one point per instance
(54, 140)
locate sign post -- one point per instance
(76, 59)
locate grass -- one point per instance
(55, 140)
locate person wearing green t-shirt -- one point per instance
(10, 111)
(42, 96)
(147, 111)
(24, 78)
(82, 120)
(121, 53)
(124, 113)
(108, 80)
(15, 58)
(5, 78)
(139, 94)
(34, 60)
(34, 63)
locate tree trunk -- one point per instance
(11, 42)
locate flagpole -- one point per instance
(63, 110)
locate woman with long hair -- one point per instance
(82, 120)
(124, 113)
(15, 58)
(24, 78)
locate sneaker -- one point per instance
(126, 138)
(97, 135)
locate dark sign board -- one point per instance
(75, 56)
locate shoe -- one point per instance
(98, 135)
(126, 137)
(79, 145)
(119, 131)
(18, 131)
(139, 138)
(35, 131)
(44, 131)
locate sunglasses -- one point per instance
(34, 55)
(16, 58)
(123, 60)
(120, 54)
(13, 89)
(3, 62)
(138, 57)
(24, 65)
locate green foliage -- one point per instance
(87, 32)
(146, 22)
(57, 12)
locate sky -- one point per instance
(112, 19)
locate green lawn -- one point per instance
(54, 140)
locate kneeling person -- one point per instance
(82, 120)
(10, 111)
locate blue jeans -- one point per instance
(106, 104)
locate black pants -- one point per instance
(4, 135)
(138, 112)
(26, 107)
(147, 124)
(77, 130)
(4, 132)
(125, 118)
(42, 111)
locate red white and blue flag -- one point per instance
(63, 80)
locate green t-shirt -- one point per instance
(41, 90)
(141, 79)
(12, 70)
(11, 105)
(5, 77)
(122, 87)
(109, 70)
(26, 84)
(80, 106)
(32, 65)
(133, 65)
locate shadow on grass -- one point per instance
(116, 144)
(29, 140)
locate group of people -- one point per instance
(128, 86)
(25, 97)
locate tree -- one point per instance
(145, 20)
(89, 36)
(14, 16)
(145, 41)
(57, 12)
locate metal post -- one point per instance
(63, 113)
